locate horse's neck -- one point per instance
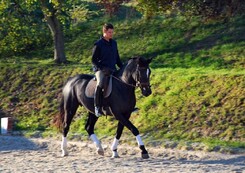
(126, 76)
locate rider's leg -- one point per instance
(98, 93)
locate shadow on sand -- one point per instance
(238, 160)
(12, 143)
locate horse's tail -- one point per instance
(67, 101)
(59, 118)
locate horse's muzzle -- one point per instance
(146, 90)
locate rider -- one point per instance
(104, 58)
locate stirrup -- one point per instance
(97, 111)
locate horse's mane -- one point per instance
(120, 71)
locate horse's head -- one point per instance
(142, 75)
(136, 73)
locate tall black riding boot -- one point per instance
(98, 101)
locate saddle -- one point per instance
(91, 86)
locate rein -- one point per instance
(134, 86)
(138, 83)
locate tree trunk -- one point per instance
(56, 30)
(58, 37)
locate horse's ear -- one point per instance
(137, 58)
(149, 60)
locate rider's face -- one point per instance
(108, 34)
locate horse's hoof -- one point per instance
(145, 156)
(115, 157)
(64, 154)
(100, 151)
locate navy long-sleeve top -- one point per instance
(105, 55)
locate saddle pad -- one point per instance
(90, 88)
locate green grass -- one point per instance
(172, 41)
(186, 104)
(197, 80)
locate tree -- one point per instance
(111, 6)
(204, 8)
(52, 10)
(55, 12)
(151, 8)
(215, 8)
(22, 29)
(19, 17)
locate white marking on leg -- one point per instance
(114, 144)
(64, 146)
(94, 138)
(114, 148)
(100, 150)
(140, 142)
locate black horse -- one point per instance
(121, 102)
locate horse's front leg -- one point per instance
(116, 140)
(135, 131)
(92, 119)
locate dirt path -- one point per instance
(20, 154)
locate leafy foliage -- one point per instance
(207, 8)
(22, 29)
(111, 6)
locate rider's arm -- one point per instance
(119, 62)
(96, 56)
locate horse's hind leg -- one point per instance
(92, 119)
(70, 109)
(116, 140)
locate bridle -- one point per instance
(137, 79)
